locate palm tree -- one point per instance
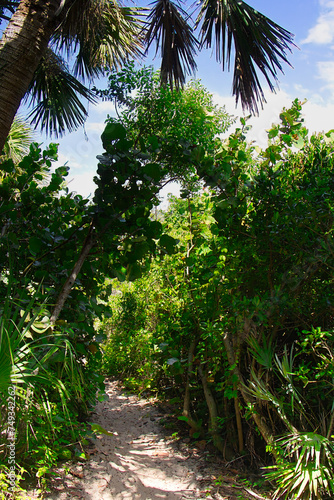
(100, 34)
(234, 28)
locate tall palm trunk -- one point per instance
(21, 48)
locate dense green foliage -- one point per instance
(42, 229)
(223, 303)
(239, 318)
(56, 251)
(180, 121)
(50, 236)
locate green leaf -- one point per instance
(120, 273)
(35, 245)
(287, 139)
(7, 166)
(242, 155)
(168, 242)
(98, 429)
(185, 419)
(112, 132)
(153, 170)
(66, 454)
(13, 239)
(133, 272)
(123, 145)
(6, 364)
(154, 230)
(273, 132)
(139, 250)
(153, 141)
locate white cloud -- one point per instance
(261, 123)
(318, 115)
(104, 107)
(326, 70)
(318, 118)
(82, 184)
(301, 90)
(70, 161)
(323, 31)
(95, 126)
(326, 73)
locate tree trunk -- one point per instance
(258, 419)
(212, 407)
(21, 48)
(62, 297)
(239, 425)
(186, 402)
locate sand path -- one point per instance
(137, 462)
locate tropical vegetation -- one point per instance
(221, 304)
(235, 324)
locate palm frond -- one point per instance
(79, 16)
(19, 138)
(256, 41)
(305, 470)
(29, 352)
(168, 27)
(57, 94)
(101, 33)
(262, 352)
(6, 360)
(7, 5)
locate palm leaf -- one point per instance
(167, 26)
(118, 40)
(6, 360)
(264, 352)
(57, 94)
(10, 5)
(305, 470)
(15, 324)
(255, 40)
(18, 141)
(101, 33)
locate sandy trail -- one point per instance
(138, 463)
(135, 463)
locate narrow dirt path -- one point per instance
(136, 462)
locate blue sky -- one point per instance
(311, 78)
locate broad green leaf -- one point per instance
(35, 245)
(182, 417)
(98, 429)
(133, 272)
(154, 229)
(153, 170)
(168, 242)
(112, 132)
